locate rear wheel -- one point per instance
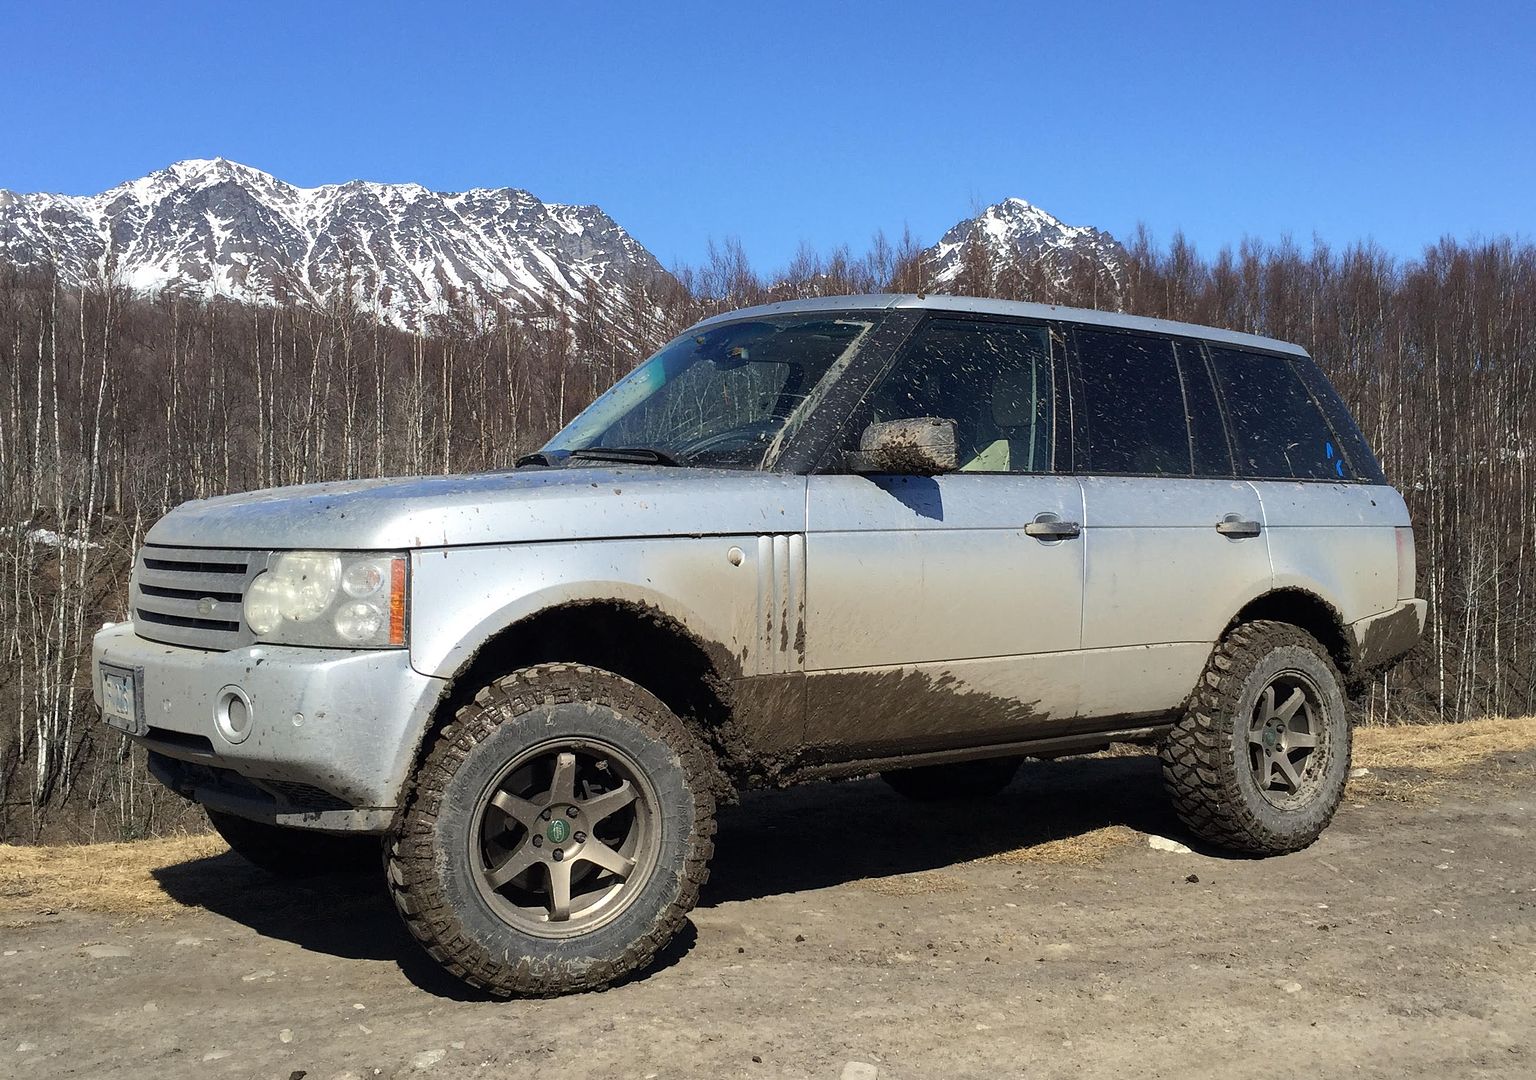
(955, 782)
(1259, 762)
(295, 853)
(558, 833)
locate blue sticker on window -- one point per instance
(1328, 446)
(1338, 467)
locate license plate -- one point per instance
(120, 700)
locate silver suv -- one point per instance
(920, 537)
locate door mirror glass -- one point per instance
(918, 446)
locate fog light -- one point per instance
(232, 714)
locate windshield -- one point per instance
(723, 397)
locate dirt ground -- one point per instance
(847, 933)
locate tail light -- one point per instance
(1407, 564)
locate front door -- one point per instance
(946, 611)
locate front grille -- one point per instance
(192, 596)
(305, 797)
(189, 594)
(180, 740)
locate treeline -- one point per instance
(114, 409)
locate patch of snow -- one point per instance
(41, 537)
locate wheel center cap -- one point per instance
(559, 831)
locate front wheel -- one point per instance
(1259, 761)
(558, 834)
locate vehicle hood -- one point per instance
(492, 508)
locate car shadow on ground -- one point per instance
(348, 915)
(774, 843)
(826, 834)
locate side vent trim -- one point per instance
(780, 603)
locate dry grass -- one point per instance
(1443, 747)
(1081, 850)
(929, 881)
(1412, 763)
(111, 878)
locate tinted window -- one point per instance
(992, 379)
(1207, 432)
(1133, 405)
(704, 399)
(720, 396)
(1277, 430)
(1357, 452)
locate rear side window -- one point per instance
(1357, 452)
(1277, 430)
(1133, 406)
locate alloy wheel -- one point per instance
(1286, 739)
(566, 837)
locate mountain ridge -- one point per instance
(215, 227)
(212, 227)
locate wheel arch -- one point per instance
(1308, 611)
(634, 637)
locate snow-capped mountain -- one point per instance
(1018, 233)
(218, 228)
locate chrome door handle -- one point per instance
(1237, 528)
(1043, 528)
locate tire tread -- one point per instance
(412, 874)
(1198, 755)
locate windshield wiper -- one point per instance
(638, 455)
(539, 457)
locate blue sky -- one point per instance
(796, 122)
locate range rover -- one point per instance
(918, 537)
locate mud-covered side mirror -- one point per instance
(919, 446)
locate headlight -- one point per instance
(326, 598)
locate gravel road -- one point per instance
(849, 934)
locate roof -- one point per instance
(1083, 316)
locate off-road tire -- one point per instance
(1205, 759)
(295, 853)
(955, 782)
(427, 857)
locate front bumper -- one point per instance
(332, 733)
(1383, 639)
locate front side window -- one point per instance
(993, 380)
(722, 397)
(1135, 418)
(1277, 430)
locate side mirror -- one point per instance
(921, 446)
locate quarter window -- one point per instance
(1277, 430)
(1358, 458)
(992, 379)
(1133, 402)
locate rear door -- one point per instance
(1331, 531)
(1174, 543)
(933, 618)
